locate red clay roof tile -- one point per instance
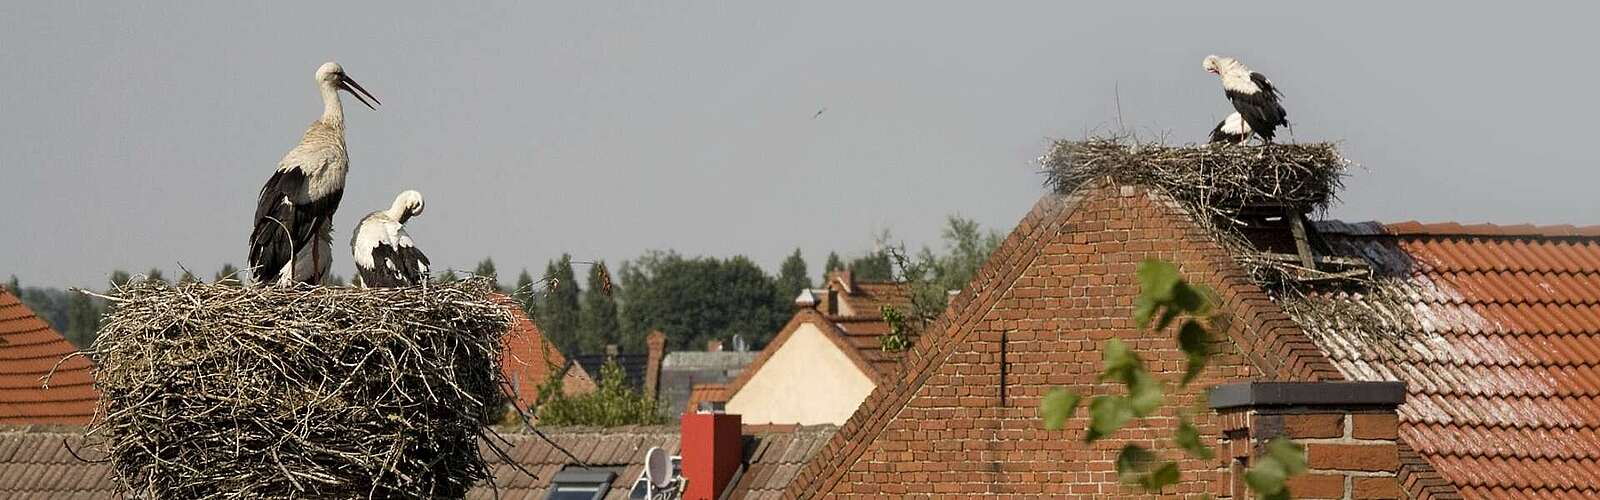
(1497, 333)
(30, 354)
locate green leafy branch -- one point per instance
(1164, 298)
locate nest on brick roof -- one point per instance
(1220, 178)
(224, 391)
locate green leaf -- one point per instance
(1167, 315)
(1267, 477)
(1188, 438)
(1143, 308)
(1208, 300)
(1289, 453)
(1187, 298)
(1107, 414)
(1283, 458)
(1166, 475)
(1193, 340)
(1118, 360)
(1133, 459)
(1144, 393)
(1057, 407)
(1156, 279)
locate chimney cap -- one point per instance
(1258, 394)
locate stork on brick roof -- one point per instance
(1252, 94)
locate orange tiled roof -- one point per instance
(29, 350)
(1496, 331)
(865, 335)
(706, 393)
(529, 359)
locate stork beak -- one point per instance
(350, 85)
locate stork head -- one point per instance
(331, 74)
(407, 205)
(1214, 64)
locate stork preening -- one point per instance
(1231, 130)
(292, 240)
(384, 254)
(1253, 96)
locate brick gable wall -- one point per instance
(1060, 285)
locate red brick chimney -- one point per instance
(712, 449)
(656, 344)
(1349, 431)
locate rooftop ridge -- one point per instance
(1414, 228)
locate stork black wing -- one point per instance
(1217, 135)
(280, 222)
(1261, 109)
(394, 266)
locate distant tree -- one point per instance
(228, 274)
(967, 247)
(699, 299)
(558, 308)
(612, 404)
(120, 278)
(448, 276)
(187, 277)
(154, 274)
(83, 319)
(875, 266)
(14, 286)
(334, 280)
(486, 268)
(834, 264)
(792, 277)
(525, 293)
(599, 324)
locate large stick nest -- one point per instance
(1218, 177)
(223, 391)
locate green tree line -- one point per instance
(693, 299)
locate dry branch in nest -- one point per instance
(222, 391)
(1217, 177)
(1215, 182)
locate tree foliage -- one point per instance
(1164, 298)
(599, 324)
(792, 277)
(558, 312)
(612, 404)
(834, 264)
(698, 299)
(525, 293)
(228, 274)
(486, 268)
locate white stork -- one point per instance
(1252, 94)
(1231, 130)
(292, 240)
(383, 252)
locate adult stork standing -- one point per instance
(384, 254)
(1253, 95)
(1231, 130)
(292, 240)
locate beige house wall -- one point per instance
(807, 381)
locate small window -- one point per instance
(712, 407)
(577, 483)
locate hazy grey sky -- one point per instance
(134, 135)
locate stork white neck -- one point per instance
(332, 110)
(406, 205)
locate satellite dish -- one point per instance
(657, 468)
